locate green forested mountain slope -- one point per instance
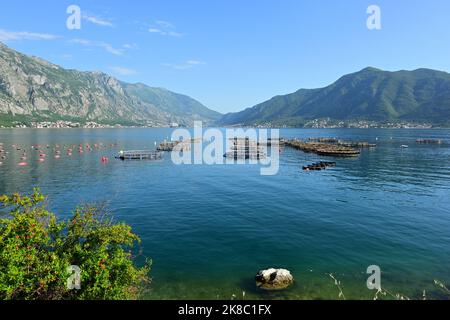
(371, 94)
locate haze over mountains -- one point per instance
(35, 90)
(370, 94)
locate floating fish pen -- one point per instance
(324, 149)
(268, 143)
(237, 155)
(140, 155)
(167, 146)
(245, 149)
(323, 140)
(275, 142)
(338, 152)
(318, 166)
(350, 144)
(429, 141)
(356, 144)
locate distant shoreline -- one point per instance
(243, 127)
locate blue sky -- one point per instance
(231, 54)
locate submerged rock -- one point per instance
(274, 279)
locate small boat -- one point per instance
(404, 146)
(322, 165)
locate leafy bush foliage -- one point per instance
(36, 249)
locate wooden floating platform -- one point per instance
(140, 155)
(324, 149)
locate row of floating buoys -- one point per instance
(57, 151)
(2, 156)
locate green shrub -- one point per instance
(36, 250)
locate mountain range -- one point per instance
(32, 89)
(421, 95)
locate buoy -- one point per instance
(23, 164)
(105, 159)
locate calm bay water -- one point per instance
(209, 229)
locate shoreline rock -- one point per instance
(274, 279)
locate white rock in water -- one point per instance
(274, 279)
